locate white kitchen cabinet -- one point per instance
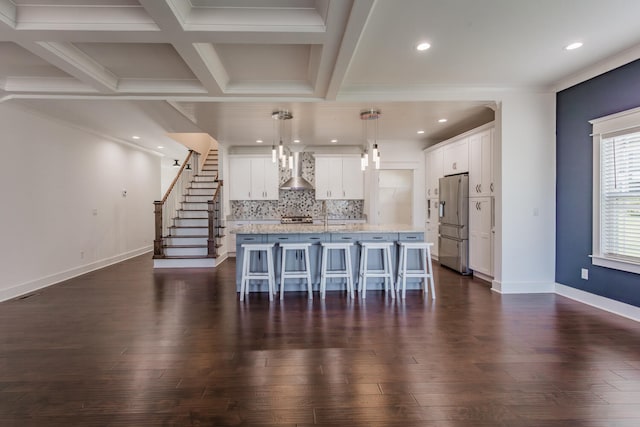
(455, 157)
(480, 164)
(431, 226)
(253, 178)
(434, 165)
(480, 241)
(339, 178)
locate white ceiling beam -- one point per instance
(355, 26)
(202, 61)
(8, 13)
(83, 18)
(46, 85)
(73, 61)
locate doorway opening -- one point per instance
(395, 196)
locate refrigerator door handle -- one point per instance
(441, 209)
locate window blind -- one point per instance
(620, 197)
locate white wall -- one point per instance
(525, 206)
(63, 212)
(398, 155)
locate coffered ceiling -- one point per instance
(148, 67)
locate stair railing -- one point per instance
(214, 208)
(166, 209)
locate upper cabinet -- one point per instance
(456, 157)
(435, 171)
(480, 164)
(339, 178)
(253, 178)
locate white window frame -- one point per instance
(602, 127)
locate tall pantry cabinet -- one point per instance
(470, 152)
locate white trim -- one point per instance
(621, 121)
(602, 303)
(602, 67)
(523, 287)
(616, 264)
(481, 128)
(43, 282)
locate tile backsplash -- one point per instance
(297, 202)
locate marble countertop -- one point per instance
(321, 228)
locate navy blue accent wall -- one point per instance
(615, 91)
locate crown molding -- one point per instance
(598, 68)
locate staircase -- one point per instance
(187, 243)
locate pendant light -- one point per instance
(176, 164)
(282, 116)
(366, 116)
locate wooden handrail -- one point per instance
(184, 163)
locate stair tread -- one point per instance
(187, 226)
(189, 256)
(184, 246)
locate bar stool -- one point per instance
(347, 272)
(387, 266)
(426, 268)
(247, 274)
(295, 274)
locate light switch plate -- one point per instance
(584, 273)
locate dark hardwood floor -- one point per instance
(127, 346)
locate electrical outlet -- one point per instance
(584, 273)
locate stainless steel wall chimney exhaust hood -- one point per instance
(296, 182)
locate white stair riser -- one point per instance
(184, 263)
(199, 231)
(200, 192)
(195, 206)
(185, 251)
(208, 173)
(193, 214)
(192, 222)
(185, 240)
(199, 199)
(205, 178)
(203, 184)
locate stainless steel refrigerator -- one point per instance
(453, 210)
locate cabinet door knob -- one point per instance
(491, 187)
(479, 188)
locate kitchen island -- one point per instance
(316, 234)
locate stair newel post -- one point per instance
(158, 247)
(211, 240)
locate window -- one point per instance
(616, 191)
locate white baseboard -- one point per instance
(43, 282)
(606, 304)
(523, 287)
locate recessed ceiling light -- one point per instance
(259, 141)
(160, 146)
(442, 121)
(420, 132)
(297, 141)
(333, 141)
(135, 137)
(423, 46)
(573, 46)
